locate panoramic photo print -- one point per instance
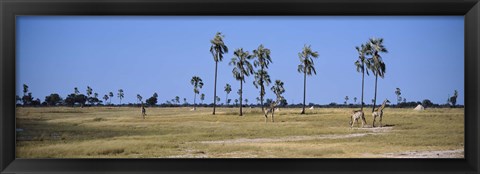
(240, 87)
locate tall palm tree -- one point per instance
(242, 67)
(361, 64)
(262, 78)
(377, 65)
(110, 94)
(217, 49)
(197, 85)
(120, 95)
(228, 89)
(306, 67)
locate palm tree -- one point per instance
(398, 92)
(278, 89)
(110, 94)
(105, 97)
(202, 97)
(25, 89)
(361, 64)
(95, 96)
(242, 67)
(177, 99)
(120, 95)
(355, 99)
(139, 98)
(76, 91)
(306, 67)
(377, 65)
(246, 101)
(228, 89)
(217, 49)
(197, 85)
(346, 100)
(262, 78)
(453, 99)
(89, 91)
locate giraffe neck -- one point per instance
(383, 106)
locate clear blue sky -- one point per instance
(143, 55)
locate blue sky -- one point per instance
(148, 54)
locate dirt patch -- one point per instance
(374, 131)
(285, 139)
(459, 153)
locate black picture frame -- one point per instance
(9, 9)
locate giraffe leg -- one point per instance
(364, 121)
(373, 124)
(381, 120)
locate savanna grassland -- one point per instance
(120, 132)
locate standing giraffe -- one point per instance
(379, 112)
(356, 115)
(270, 109)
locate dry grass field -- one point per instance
(120, 132)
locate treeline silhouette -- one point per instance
(91, 99)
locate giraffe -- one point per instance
(379, 112)
(356, 115)
(143, 111)
(271, 109)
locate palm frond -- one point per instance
(300, 68)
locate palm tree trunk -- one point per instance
(262, 89)
(226, 99)
(241, 92)
(304, 89)
(375, 97)
(194, 99)
(215, 89)
(363, 79)
(261, 98)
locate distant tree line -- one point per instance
(91, 99)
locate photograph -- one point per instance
(240, 87)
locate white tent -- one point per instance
(419, 108)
